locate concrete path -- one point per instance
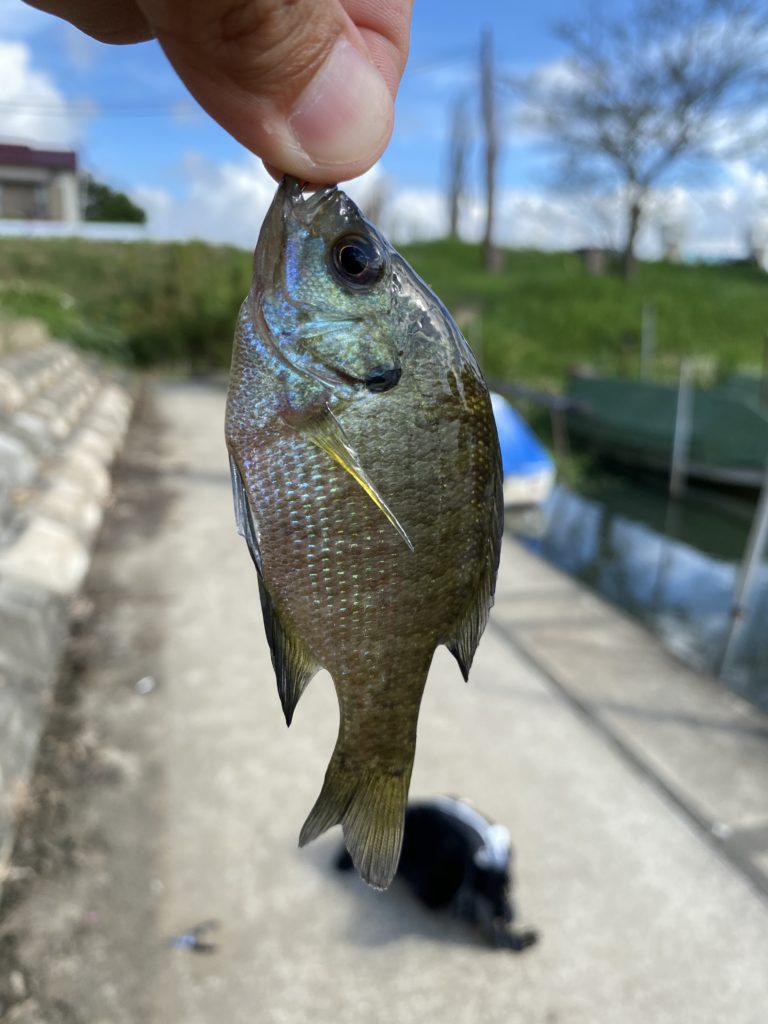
(192, 797)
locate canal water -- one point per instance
(673, 565)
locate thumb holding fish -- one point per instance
(308, 85)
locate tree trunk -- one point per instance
(491, 254)
(634, 214)
(457, 163)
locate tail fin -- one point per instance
(370, 805)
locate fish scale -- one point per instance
(372, 511)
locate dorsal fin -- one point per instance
(467, 632)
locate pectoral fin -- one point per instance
(325, 431)
(293, 664)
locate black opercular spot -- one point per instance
(383, 378)
(356, 260)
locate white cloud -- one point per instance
(81, 50)
(454, 76)
(562, 73)
(415, 213)
(220, 202)
(226, 203)
(185, 112)
(32, 110)
(714, 220)
(711, 221)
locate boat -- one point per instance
(528, 468)
(633, 422)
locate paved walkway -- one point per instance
(609, 763)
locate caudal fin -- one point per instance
(370, 805)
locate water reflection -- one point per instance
(682, 593)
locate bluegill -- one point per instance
(367, 483)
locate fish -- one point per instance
(367, 484)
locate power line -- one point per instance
(99, 110)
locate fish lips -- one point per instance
(308, 207)
(291, 203)
(297, 202)
(288, 203)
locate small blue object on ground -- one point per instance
(529, 469)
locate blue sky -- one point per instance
(167, 123)
(135, 126)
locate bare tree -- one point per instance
(491, 130)
(647, 87)
(457, 162)
(376, 200)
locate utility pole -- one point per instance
(681, 446)
(647, 340)
(753, 556)
(488, 103)
(457, 162)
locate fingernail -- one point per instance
(344, 115)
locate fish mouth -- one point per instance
(302, 203)
(292, 202)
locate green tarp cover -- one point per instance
(640, 415)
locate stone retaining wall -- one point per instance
(62, 420)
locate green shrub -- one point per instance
(140, 303)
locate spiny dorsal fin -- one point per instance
(469, 629)
(325, 431)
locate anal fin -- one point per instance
(464, 643)
(293, 664)
(468, 630)
(246, 526)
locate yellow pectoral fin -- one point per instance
(325, 431)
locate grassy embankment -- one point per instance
(141, 304)
(148, 304)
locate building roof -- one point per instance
(26, 156)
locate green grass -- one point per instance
(175, 304)
(544, 313)
(142, 304)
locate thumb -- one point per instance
(292, 80)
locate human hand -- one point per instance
(307, 85)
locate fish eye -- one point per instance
(356, 260)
